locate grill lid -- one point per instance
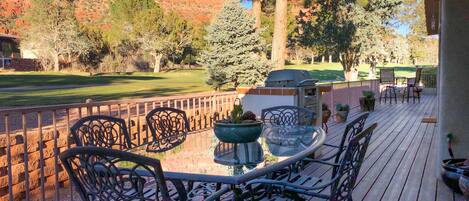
(289, 78)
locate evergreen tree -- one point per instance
(233, 49)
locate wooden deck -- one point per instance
(400, 161)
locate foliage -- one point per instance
(236, 113)
(423, 49)
(368, 94)
(348, 28)
(248, 115)
(99, 48)
(233, 47)
(121, 17)
(342, 107)
(60, 36)
(9, 15)
(160, 34)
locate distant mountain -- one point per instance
(196, 11)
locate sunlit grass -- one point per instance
(82, 86)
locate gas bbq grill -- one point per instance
(308, 93)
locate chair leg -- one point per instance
(408, 93)
(403, 94)
(395, 95)
(380, 96)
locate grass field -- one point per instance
(38, 88)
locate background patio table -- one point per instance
(202, 158)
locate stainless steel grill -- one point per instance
(308, 92)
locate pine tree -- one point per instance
(233, 49)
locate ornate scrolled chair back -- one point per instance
(107, 174)
(287, 116)
(101, 131)
(169, 128)
(345, 175)
(351, 130)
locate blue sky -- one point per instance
(402, 29)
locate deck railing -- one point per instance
(31, 138)
(347, 93)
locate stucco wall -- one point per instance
(454, 75)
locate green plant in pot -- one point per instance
(367, 101)
(241, 127)
(342, 111)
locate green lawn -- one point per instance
(333, 71)
(109, 87)
(135, 85)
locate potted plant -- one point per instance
(342, 112)
(367, 101)
(326, 114)
(241, 127)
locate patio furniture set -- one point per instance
(389, 86)
(176, 165)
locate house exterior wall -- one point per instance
(453, 78)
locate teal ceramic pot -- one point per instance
(464, 184)
(238, 133)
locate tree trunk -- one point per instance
(322, 59)
(372, 70)
(351, 75)
(330, 58)
(257, 11)
(312, 57)
(348, 61)
(157, 65)
(279, 40)
(56, 62)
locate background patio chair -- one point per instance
(387, 81)
(344, 175)
(169, 128)
(101, 131)
(413, 86)
(287, 116)
(107, 174)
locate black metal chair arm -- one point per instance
(321, 161)
(217, 195)
(284, 184)
(331, 145)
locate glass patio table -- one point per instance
(203, 158)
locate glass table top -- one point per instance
(203, 153)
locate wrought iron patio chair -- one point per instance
(387, 81)
(169, 128)
(351, 130)
(107, 174)
(101, 131)
(413, 86)
(287, 115)
(297, 185)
